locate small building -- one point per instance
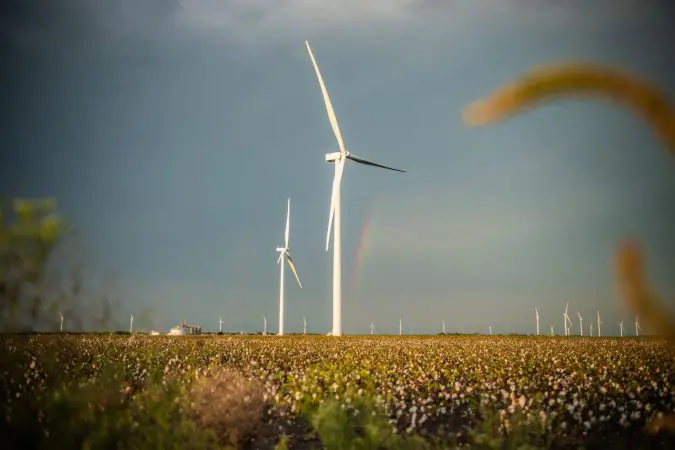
(184, 329)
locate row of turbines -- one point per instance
(567, 324)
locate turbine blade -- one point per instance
(295, 272)
(281, 255)
(326, 100)
(371, 163)
(288, 223)
(336, 187)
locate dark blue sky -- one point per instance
(173, 132)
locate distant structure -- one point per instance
(154, 333)
(184, 329)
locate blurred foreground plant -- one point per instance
(545, 82)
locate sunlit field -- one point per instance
(350, 392)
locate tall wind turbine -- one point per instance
(220, 323)
(400, 326)
(637, 326)
(304, 325)
(131, 324)
(552, 332)
(581, 324)
(599, 323)
(264, 325)
(339, 158)
(621, 328)
(566, 320)
(536, 313)
(490, 330)
(443, 326)
(285, 253)
(372, 327)
(61, 326)
(590, 329)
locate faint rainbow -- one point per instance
(365, 237)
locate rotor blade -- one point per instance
(326, 99)
(288, 222)
(281, 255)
(336, 188)
(371, 163)
(295, 272)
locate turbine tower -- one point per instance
(61, 326)
(131, 324)
(285, 253)
(536, 314)
(637, 326)
(552, 332)
(372, 328)
(590, 329)
(304, 325)
(599, 323)
(621, 328)
(264, 325)
(443, 326)
(400, 326)
(220, 323)
(581, 324)
(566, 320)
(339, 158)
(490, 330)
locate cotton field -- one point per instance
(448, 391)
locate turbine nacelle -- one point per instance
(335, 156)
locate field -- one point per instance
(98, 391)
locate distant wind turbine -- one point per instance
(599, 324)
(400, 326)
(131, 324)
(372, 327)
(285, 253)
(536, 313)
(264, 325)
(637, 326)
(339, 158)
(490, 330)
(61, 326)
(566, 320)
(552, 332)
(220, 323)
(581, 324)
(590, 329)
(443, 326)
(304, 325)
(621, 328)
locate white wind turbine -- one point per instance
(61, 326)
(637, 326)
(490, 330)
(131, 324)
(304, 325)
(566, 320)
(443, 326)
(264, 325)
(590, 329)
(536, 313)
(339, 158)
(581, 324)
(372, 327)
(552, 332)
(400, 326)
(285, 253)
(220, 323)
(621, 328)
(599, 323)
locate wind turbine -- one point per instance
(131, 324)
(443, 326)
(372, 327)
(285, 251)
(400, 326)
(590, 328)
(339, 158)
(536, 313)
(637, 326)
(304, 325)
(61, 326)
(621, 328)
(264, 325)
(566, 320)
(552, 333)
(581, 324)
(599, 323)
(490, 330)
(220, 323)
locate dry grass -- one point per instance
(229, 404)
